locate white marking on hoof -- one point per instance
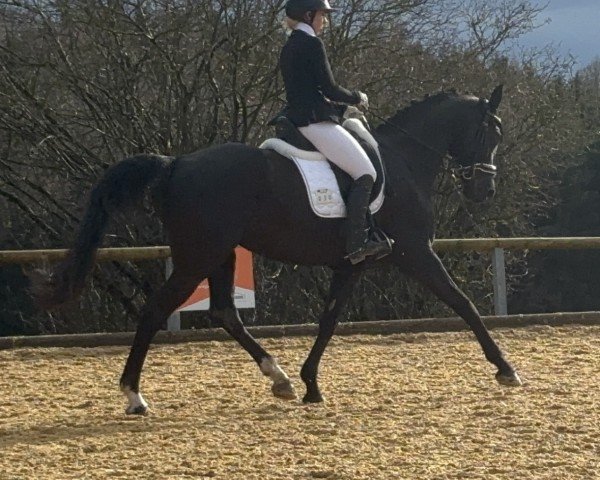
(269, 368)
(284, 390)
(511, 380)
(137, 404)
(282, 387)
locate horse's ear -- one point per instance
(495, 98)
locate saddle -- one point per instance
(327, 184)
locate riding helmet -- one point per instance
(295, 9)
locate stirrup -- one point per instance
(376, 247)
(378, 235)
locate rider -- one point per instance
(310, 89)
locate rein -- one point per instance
(409, 135)
(468, 172)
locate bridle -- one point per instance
(469, 172)
(477, 169)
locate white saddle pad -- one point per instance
(321, 185)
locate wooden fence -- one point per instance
(494, 245)
(134, 254)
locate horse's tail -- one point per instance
(121, 185)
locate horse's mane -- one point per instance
(416, 107)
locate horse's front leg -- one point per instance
(427, 268)
(339, 291)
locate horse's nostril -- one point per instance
(491, 193)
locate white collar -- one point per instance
(306, 28)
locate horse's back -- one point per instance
(238, 194)
(244, 175)
(219, 163)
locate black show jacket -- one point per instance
(309, 83)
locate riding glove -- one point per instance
(364, 100)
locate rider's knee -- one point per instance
(367, 170)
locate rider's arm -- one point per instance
(322, 72)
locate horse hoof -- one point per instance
(138, 410)
(284, 390)
(313, 398)
(509, 379)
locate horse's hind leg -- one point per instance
(222, 307)
(156, 311)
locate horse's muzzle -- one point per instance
(478, 181)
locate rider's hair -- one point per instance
(289, 23)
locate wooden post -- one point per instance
(174, 321)
(499, 274)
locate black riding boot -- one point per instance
(358, 244)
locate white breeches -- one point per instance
(340, 148)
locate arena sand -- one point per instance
(410, 406)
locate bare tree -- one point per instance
(84, 83)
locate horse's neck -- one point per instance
(403, 155)
(416, 140)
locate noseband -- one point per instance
(475, 171)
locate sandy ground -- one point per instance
(421, 406)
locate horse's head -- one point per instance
(475, 147)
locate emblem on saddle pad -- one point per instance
(324, 196)
(321, 185)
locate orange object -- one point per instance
(243, 281)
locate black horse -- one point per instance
(234, 194)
